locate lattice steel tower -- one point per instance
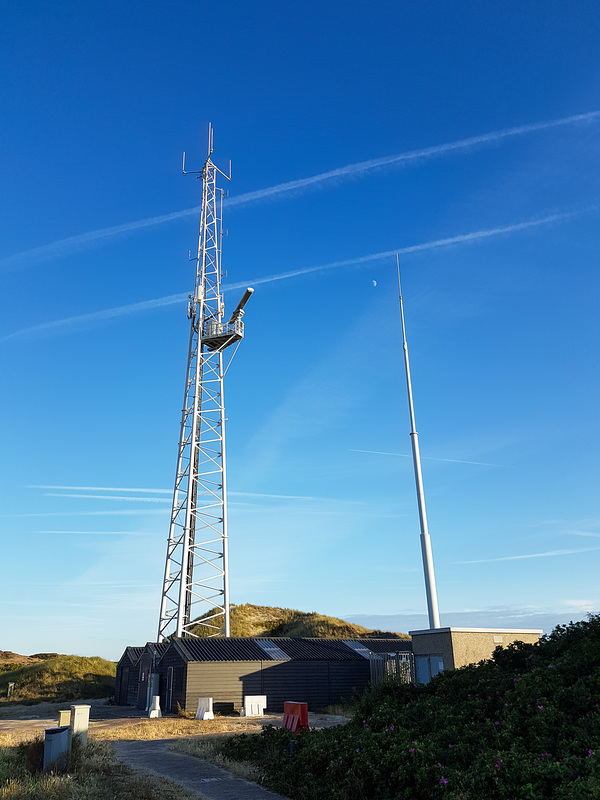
(196, 582)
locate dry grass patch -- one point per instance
(175, 727)
(96, 776)
(13, 738)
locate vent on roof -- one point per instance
(271, 649)
(360, 649)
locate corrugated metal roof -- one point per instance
(386, 645)
(220, 649)
(293, 649)
(134, 653)
(317, 650)
(160, 649)
(272, 650)
(359, 648)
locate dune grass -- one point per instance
(62, 678)
(94, 775)
(250, 620)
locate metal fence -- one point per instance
(398, 667)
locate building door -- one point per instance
(142, 700)
(169, 692)
(124, 686)
(428, 667)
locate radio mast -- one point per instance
(430, 588)
(196, 582)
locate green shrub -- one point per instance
(524, 725)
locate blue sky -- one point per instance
(464, 136)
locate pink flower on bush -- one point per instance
(443, 781)
(411, 749)
(590, 752)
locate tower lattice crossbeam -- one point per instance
(196, 581)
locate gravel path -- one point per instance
(193, 774)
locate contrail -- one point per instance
(149, 491)
(352, 170)
(99, 489)
(83, 241)
(429, 458)
(95, 533)
(273, 496)
(98, 316)
(86, 513)
(530, 555)
(111, 497)
(134, 308)
(73, 244)
(415, 248)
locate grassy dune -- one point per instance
(250, 620)
(60, 678)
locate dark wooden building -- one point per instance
(317, 671)
(127, 677)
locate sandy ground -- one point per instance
(31, 720)
(105, 718)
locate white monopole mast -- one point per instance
(432, 604)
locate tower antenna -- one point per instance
(195, 591)
(432, 604)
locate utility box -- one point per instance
(64, 718)
(80, 718)
(57, 749)
(438, 649)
